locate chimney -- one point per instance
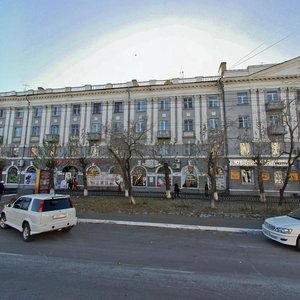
(222, 68)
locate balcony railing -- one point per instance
(276, 130)
(188, 134)
(94, 136)
(164, 134)
(276, 105)
(52, 138)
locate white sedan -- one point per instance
(284, 229)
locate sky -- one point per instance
(69, 43)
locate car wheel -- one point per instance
(298, 243)
(26, 233)
(2, 222)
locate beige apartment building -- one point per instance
(250, 106)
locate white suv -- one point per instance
(37, 213)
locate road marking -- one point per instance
(169, 270)
(172, 226)
(10, 254)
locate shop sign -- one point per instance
(151, 163)
(294, 176)
(235, 175)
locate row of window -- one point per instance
(141, 105)
(188, 126)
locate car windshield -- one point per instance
(295, 214)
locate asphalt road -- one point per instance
(96, 261)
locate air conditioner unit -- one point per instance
(20, 163)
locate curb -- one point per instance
(171, 226)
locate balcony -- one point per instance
(276, 105)
(189, 134)
(276, 130)
(164, 134)
(52, 138)
(94, 136)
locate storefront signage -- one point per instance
(235, 175)
(294, 176)
(265, 176)
(251, 163)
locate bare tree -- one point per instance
(123, 149)
(161, 152)
(259, 154)
(212, 145)
(45, 158)
(291, 150)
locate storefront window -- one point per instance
(12, 175)
(247, 176)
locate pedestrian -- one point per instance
(75, 184)
(2, 188)
(176, 191)
(206, 189)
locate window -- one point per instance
(76, 109)
(164, 125)
(165, 104)
(96, 128)
(56, 111)
(242, 98)
(118, 127)
(75, 130)
(272, 96)
(164, 149)
(140, 126)
(35, 131)
(244, 149)
(244, 122)
(188, 102)
(17, 131)
(247, 176)
(37, 111)
(2, 113)
(188, 125)
(19, 113)
(214, 123)
(97, 108)
(54, 129)
(213, 101)
(119, 107)
(141, 105)
(273, 120)
(189, 149)
(1, 131)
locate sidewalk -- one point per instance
(205, 222)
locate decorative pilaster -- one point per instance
(256, 128)
(197, 118)
(149, 120)
(172, 119)
(179, 120)
(10, 125)
(62, 125)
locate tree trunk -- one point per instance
(281, 198)
(167, 180)
(168, 194)
(262, 197)
(85, 189)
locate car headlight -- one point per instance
(283, 230)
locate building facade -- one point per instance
(254, 107)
